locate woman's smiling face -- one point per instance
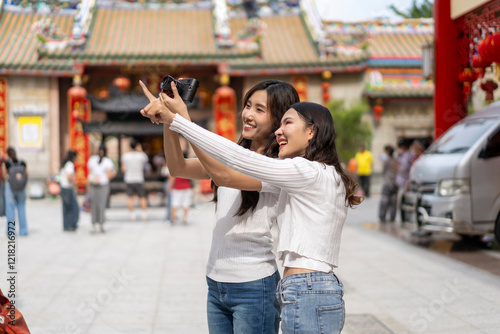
(256, 119)
(293, 136)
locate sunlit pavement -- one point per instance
(149, 277)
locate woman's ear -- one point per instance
(310, 132)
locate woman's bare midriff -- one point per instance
(290, 271)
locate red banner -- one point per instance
(224, 104)
(4, 119)
(79, 110)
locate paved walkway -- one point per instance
(149, 277)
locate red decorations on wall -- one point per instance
(224, 104)
(489, 86)
(467, 77)
(300, 84)
(79, 109)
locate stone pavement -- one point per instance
(149, 277)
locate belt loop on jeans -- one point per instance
(309, 281)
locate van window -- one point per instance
(461, 137)
(492, 148)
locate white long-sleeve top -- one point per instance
(311, 208)
(242, 246)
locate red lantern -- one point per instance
(378, 110)
(122, 83)
(479, 65)
(489, 86)
(483, 49)
(467, 77)
(489, 48)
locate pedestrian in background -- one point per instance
(405, 160)
(101, 171)
(181, 194)
(133, 164)
(16, 172)
(70, 208)
(389, 196)
(364, 169)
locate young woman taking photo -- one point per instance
(314, 195)
(242, 274)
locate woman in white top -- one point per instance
(242, 273)
(101, 170)
(315, 193)
(70, 208)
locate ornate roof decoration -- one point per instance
(48, 33)
(398, 83)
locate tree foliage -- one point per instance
(415, 11)
(352, 131)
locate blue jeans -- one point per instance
(70, 208)
(311, 303)
(13, 199)
(243, 308)
(169, 200)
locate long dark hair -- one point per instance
(322, 146)
(280, 96)
(70, 156)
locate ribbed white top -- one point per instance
(242, 246)
(311, 208)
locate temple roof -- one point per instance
(185, 36)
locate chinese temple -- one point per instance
(69, 70)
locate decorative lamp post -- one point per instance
(224, 105)
(79, 110)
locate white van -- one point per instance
(455, 185)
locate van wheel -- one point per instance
(497, 228)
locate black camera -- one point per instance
(186, 87)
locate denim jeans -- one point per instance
(15, 199)
(70, 208)
(243, 308)
(311, 303)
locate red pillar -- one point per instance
(449, 107)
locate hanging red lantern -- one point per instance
(483, 49)
(489, 86)
(122, 83)
(467, 77)
(479, 65)
(326, 96)
(377, 111)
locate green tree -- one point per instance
(351, 130)
(415, 11)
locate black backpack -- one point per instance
(17, 176)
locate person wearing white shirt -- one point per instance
(242, 273)
(70, 208)
(315, 193)
(101, 170)
(133, 163)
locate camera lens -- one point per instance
(165, 82)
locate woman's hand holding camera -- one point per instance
(163, 109)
